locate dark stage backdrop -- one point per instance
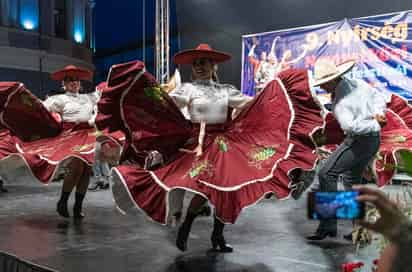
(221, 23)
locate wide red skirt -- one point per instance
(7, 143)
(242, 160)
(35, 140)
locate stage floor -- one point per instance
(268, 237)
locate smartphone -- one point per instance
(335, 205)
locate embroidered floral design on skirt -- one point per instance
(397, 139)
(258, 155)
(27, 100)
(200, 168)
(155, 93)
(222, 143)
(82, 148)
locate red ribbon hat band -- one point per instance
(203, 50)
(72, 71)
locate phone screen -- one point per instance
(335, 205)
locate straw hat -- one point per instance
(325, 70)
(203, 50)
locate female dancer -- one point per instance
(73, 108)
(208, 103)
(231, 163)
(44, 141)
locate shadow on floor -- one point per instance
(212, 262)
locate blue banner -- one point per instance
(380, 45)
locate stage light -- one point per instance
(29, 14)
(28, 24)
(78, 37)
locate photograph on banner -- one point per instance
(380, 45)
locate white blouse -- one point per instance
(74, 107)
(207, 100)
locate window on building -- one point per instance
(60, 18)
(20, 14)
(11, 14)
(4, 13)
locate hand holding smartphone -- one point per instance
(335, 205)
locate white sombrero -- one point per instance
(325, 70)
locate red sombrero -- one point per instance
(72, 71)
(203, 50)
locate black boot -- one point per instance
(78, 204)
(99, 184)
(2, 189)
(269, 195)
(326, 228)
(184, 230)
(218, 241)
(321, 234)
(105, 185)
(351, 236)
(62, 204)
(205, 211)
(95, 186)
